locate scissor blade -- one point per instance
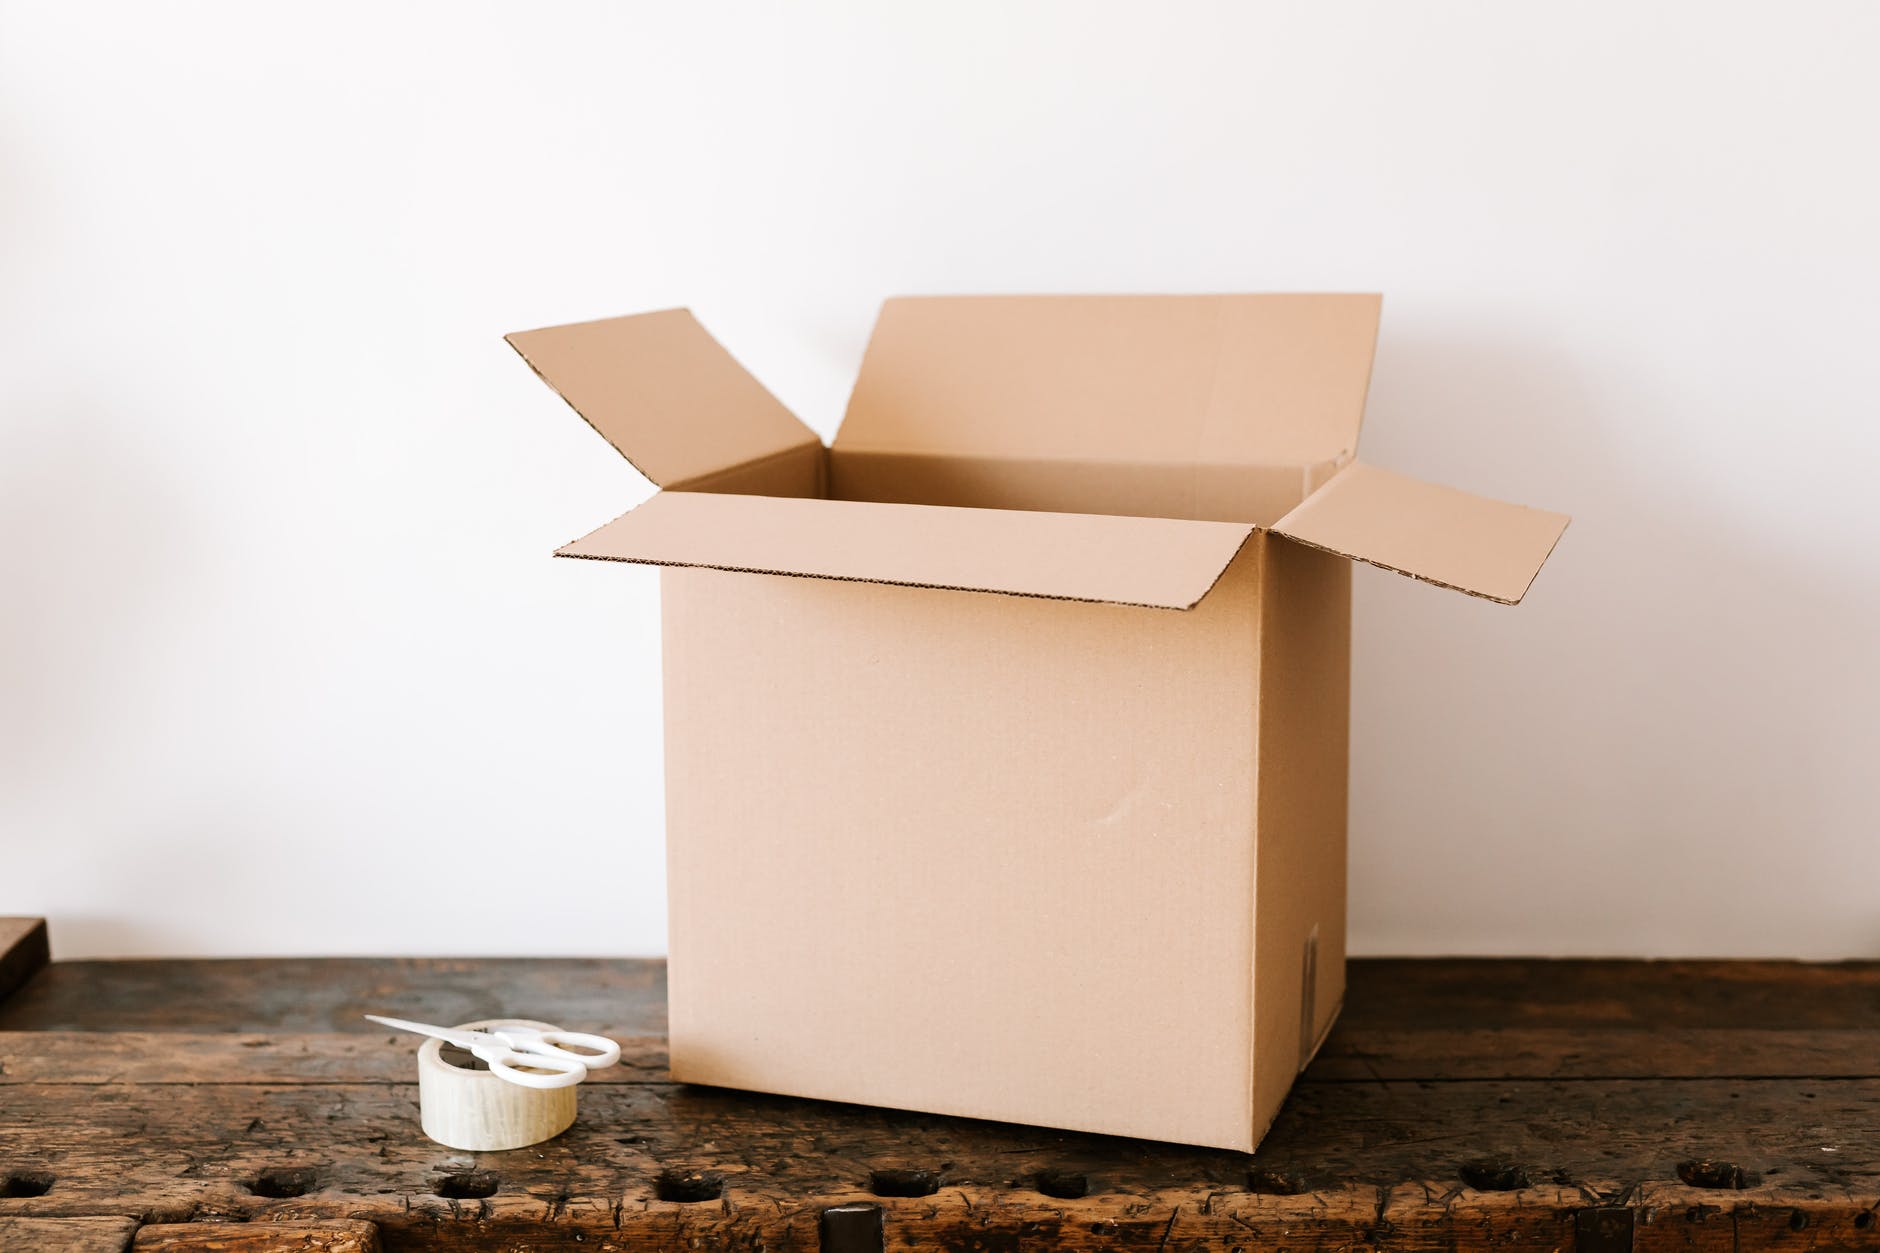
(462, 1039)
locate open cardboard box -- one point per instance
(1025, 798)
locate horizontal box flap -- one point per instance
(663, 392)
(1206, 380)
(1162, 563)
(1438, 534)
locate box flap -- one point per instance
(1162, 563)
(663, 392)
(1437, 534)
(1172, 380)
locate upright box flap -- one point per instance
(1161, 563)
(1438, 534)
(1173, 380)
(663, 392)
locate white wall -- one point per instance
(285, 666)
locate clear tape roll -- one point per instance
(478, 1110)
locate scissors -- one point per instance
(549, 1061)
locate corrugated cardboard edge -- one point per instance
(1364, 513)
(1424, 578)
(704, 379)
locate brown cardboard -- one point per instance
(664, 393)
(1071, 855)
(1195, 380)
(1252, 493)
(1437, 534)
(1160, 562)
(978, 825)
(1299, 886)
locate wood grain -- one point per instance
(149, 1057)
(1357, 1053)
(288, 995)
(331, 1235)
(1427, 1124)
(66, 1235)
(1352, 1055)
(1437, 1153)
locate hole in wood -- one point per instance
(1864, 1219)
(689, 1187)
(1797, 1220)
(24, 1183)
(278, 1183)
(1064, 1185)
(1269, 1182)
(855, 1228)
(904, 1183)
(470, 1185)
(1705, 1173)
(1494, 1176)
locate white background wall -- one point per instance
(285, 666)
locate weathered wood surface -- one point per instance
(1459, 1105)
(66, 1235)
(1455, 994)
(285, 996)
(1353, 1054)
(332, 1235)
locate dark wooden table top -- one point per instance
(1600, 1106)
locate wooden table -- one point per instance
(1517, 1105)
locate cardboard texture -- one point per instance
(1159, 562)
(1070, 853)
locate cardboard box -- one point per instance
(1006, 736)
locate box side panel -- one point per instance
(969, 854)
(1305, 701)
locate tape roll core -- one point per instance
(480, 1111)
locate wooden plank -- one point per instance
(24, 952)
(1357, 1052)
(1352, 1055)
(66, 1235)
(1496, 993)
(1609, 1107)
(328, 1235)
(1404, 1020)
(1401, 994)
(287, 995)
(90, 1057)
(1451, 1165)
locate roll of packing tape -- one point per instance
(480, 1111)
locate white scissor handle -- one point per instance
(604, 1052)
(562, 1069)
(556, 1043)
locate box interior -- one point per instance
(1222, 408)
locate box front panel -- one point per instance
(973, 854)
